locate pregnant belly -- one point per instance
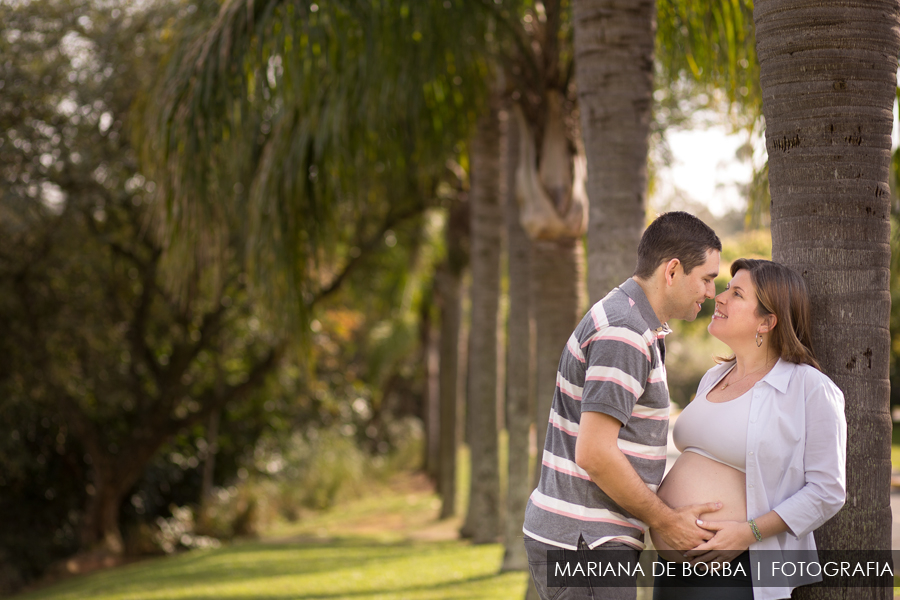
(695, 479)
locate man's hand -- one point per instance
(681, 530)
(597, 452)
(730, 539)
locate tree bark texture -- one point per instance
(557, 269)
(828, 71)
(520, 363)
(112, 476)
(483, 519)
(614, 43)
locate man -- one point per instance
(605, 452)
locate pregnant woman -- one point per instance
(765, 435)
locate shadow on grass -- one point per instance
(456, 590)
(339, 568)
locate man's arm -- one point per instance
(597, 452)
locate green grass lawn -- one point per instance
(337, 568)
(895, 447)
(387, 545)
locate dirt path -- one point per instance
(404, 509)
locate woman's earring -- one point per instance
(759, 340)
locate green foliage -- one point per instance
(753, 243)
(713, 44)
(104, 364)
(759, 199)
(112, 372)
(894, 368)
(308, 130)
(706, 64)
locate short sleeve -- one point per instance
(618, 365)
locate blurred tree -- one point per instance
(486, 218)
(448, 288)
(895, 278)
(828, 106)
(711, 47)
(520, 361)
(324, 125)
(548, 185)
(369, 100)
(308, 130)
(99, 351)
(113, 368)
(895, 311)
(614, 64)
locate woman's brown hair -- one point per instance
(780, 291)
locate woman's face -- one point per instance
(735, 320)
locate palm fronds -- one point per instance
(302, 127)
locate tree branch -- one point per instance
(214, 399)
(184, 353)
(137, 331)
(389, 223)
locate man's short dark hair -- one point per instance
(678, 235)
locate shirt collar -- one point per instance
(634, 291)
(780, 375)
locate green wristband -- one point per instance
(755, 530)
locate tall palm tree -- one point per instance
(448, 284)
(703, 44)
(520, 361)
(829, 78)
(614, 66)
(483, 519)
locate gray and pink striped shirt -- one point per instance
(614, 364)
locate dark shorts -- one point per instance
(670, 583)
(584, 590)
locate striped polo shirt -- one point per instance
(614, 364)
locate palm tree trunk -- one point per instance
(431, 412)
(448, 286)
(829, 72)
(449, 293)
(483, 518)
(557, 269)
(614, 44)
(520, 364)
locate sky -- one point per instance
(705, 166)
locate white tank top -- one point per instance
(716, 430)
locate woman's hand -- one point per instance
(730, 539)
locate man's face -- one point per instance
(692, 289)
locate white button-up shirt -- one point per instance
(796, 457)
